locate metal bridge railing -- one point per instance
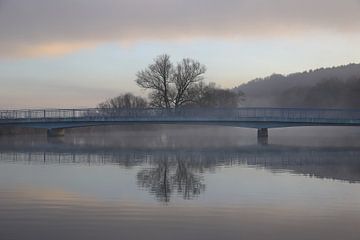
(182, 114)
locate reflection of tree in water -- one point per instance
(178, 171)
(169, 175)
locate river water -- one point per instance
(181, 183)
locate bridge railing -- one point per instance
(181, 114)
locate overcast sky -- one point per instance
(75, 53)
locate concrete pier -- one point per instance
(56, 132)
(263, 136)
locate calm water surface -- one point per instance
(181, 183)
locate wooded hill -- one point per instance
(336, 87)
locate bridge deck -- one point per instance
(246, 117)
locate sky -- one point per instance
(77, 53)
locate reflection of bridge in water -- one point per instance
(165, 172)
(56, 120)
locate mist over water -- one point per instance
(180, 136)
(181, 182)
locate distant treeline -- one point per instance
(175, 86)
(208, 96)
(336, 87)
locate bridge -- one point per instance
(57, 120)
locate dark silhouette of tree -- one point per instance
(124, 101)
(171, 86)
(209, 95)
(158, 77)
(186, 76)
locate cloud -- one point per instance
(42, 48)
(48, 27)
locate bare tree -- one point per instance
(157, 77)
(171, 86)
(183, 85)
(124, 101)
(187, 73)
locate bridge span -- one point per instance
(57, 120)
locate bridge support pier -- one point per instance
(263, 136)
(56, 132)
